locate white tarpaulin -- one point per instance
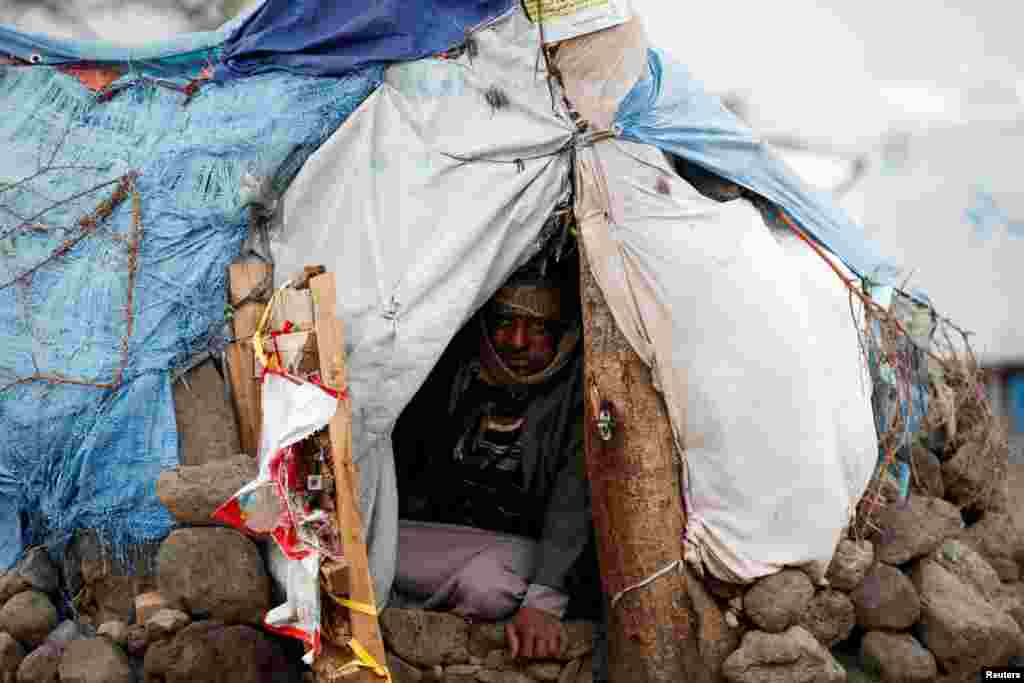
(778, 431)
(747, 340)
(418, 240)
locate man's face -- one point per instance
(525, 344)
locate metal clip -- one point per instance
(606, 421)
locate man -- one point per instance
(495, 499)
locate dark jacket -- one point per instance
(554, 471)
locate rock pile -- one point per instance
(165, 639)
(933, 594)
(436, 646)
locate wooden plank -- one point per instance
(331, 349)
(337, 578)
(637, 506)
(243, 278)
(246, 395)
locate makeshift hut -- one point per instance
(730, 373)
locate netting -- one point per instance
(119, 213)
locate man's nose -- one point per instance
(519, 337)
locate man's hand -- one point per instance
(535, 634)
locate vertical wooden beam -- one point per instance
(637, 506)
(243, 278)
(330, 339)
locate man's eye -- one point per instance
(503, 322)
(538, 327)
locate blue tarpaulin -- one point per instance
(319, 38)
(74, 455)
(671, 110)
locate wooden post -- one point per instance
(243, 278)
(637, 506)
(330, 341)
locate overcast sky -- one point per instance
(835, 67)
(836, 70)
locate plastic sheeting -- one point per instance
(159, 55)
(77, 457)
(746, 341)
(419, 240)
(318, 38)
(670, 110)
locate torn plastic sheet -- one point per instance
(299, 616)
(292, 411)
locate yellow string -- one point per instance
(266, 359)
(366, 660)
(357, 606)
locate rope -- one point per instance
(678, 564)
(577, 140)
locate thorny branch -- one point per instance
(88, 225)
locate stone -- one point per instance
(484, 638)
(571, 671)
(136, 640)
(148, 604)
(113, 597)
(212, 652)
(487, 676)
(886, 599)
(29, 616)
(830, 617)
(193, 493)
(105, 590)
(586, 673)
(11, 656)
(402, 671)
(42, 665)
(579, 639)
(207, 430)
(215, 571)
(114, 631)
(999, 541)
(967, 476)
(11, 584)
(40, 572)
(69, 630)
(962, 560)
(497, 660)
(850, 563)
(915, 528)
(926, 477)
(961, 628)
(426, 638)
(543, 671)
(460, 673)
(775, 602)
(165, 624)
(897, 658)
(793, 656)
(1010, 599)
(716, 639)
(94, 660)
